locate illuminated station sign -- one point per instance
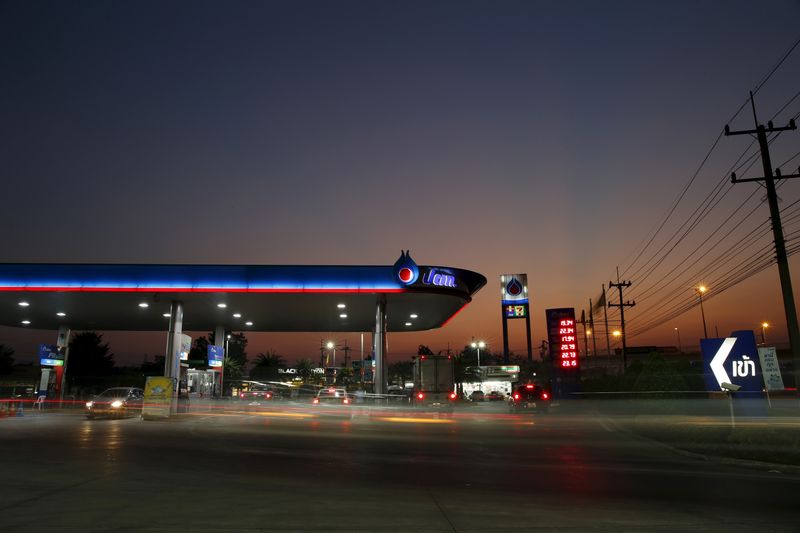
(562, 338)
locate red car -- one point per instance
(529, 397)
(256, 395)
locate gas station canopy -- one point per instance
(246, 298)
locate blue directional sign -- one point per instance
(50, 355)
(732, 360)
(215, 355)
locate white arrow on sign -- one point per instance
(719, 359)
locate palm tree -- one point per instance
(267, 365)
(305, 369)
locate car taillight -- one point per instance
(420, 396)
(545, 396)
(269, 395)
(452, 395)
(241, 396)
(516, 396)
(315, 400)
(346, 400)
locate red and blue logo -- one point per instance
(406, 269)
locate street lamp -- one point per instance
(616, 333)
(680, 347)
(478, 345)
(701, 290)
(764, 326)
(332, 346)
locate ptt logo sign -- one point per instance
(439, 278)
(732, 360)
(406, 269)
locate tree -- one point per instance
(89, 359)
(235, 360)
(155, 367)
(305, 369)
(424, 350)
(344, 376)
(236, 347)
(267, 366)
(401, 372)
(198, 355)
(6, 359)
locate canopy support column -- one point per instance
(379, 378)
(172, 356)
(219, 341)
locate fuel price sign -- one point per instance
(562, 338)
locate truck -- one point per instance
(434, 385)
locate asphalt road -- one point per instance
(289, 468)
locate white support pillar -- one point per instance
(219, 340)
(172, 357)
(63, 342)
(379, 378)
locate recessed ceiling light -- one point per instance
(144, 305)
(166, 315)
(341, 306)
(343, 315)
(237, 315)
(23, 304)
(414, 315)
(26, 322)
(408, 323)
(60, 313)
(222, 306)
(248, 323)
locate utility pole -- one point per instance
(591, 327)
(777, 229)
(605, 317)
(585, 335)
(622, 305)
(345, 350)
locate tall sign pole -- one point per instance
(777, 229)
(514, 304)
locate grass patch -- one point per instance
(768, 442)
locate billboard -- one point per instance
(157, 397)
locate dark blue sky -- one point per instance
(538, 137)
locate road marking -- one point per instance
(605, 426)
(415, 420)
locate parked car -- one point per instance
(116, 402)
(477, 396)
(495, 396)
(332, 395)
(529, 397)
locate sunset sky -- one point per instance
(550, 138)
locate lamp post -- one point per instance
(764, 326)
(478, 345)
(680, 347)
(332, 346)
(701, 290)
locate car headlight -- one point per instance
(89, 404)
(116, 403)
